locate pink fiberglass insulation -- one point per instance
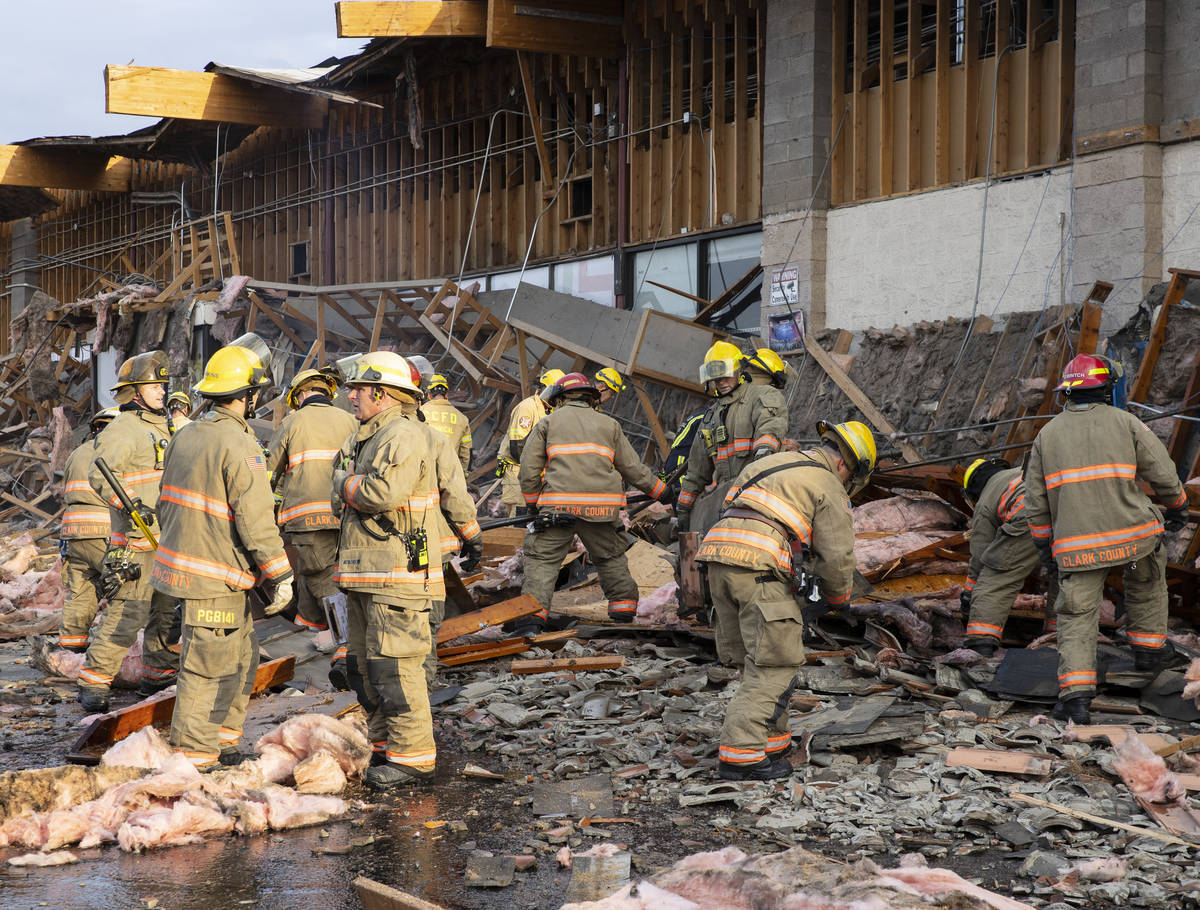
(1108, 869)
(319, 773)
(1192, 676)
(1145, 773)
(563, 857)
(58, 858)
(935, 882)
(872, 553)
(308, 734)
(660, 606)
(18, 558)
(905, 513)
(274, 762)
(182, 823)
(288, 809)
(143, 749)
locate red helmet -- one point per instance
(1088, 371)
(572, 382)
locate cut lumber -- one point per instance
(1005, 762)
(555, 664)
(469, 654)
(939, 549)
(63, 170)
(411, 19)
(1116, 734)
(114, 727)
(506, 610)
(1100, 820)
(691, 588)
(857, 396)
(456, 591)
(1188, 742)
(376, 896)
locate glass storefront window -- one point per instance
(729, 258)
(674, 266)
(591, 279)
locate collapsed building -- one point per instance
(926, 225)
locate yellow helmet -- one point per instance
(307, 379)
(231, 370)
(979, 472)
(720, 361)
(388, 369)
(611, 379)
(550, 377)
(179, 399)
(437, 383)
(144, 369)
(769, 362)
(857, 445)
(103, 418)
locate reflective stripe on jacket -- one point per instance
(1081, 491)
(752, 417)
(132, 445)
(86, 514)
(218, 532)
(300, 459)
(444, 417)
(809, 502)
(1000, 505)
(578, 461)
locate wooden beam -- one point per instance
(151, 91)
(580, 28)
(856, 395)
(411, 19)
(554, 664)
(62, 169)
(457, 626)
(535, 124)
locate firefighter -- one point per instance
(1002, 552)
(1088, 517)
(574, 470)
(765, 367)
(83, 540)
(179, 409)
(786, 527)
(219, 540)
(300, 466)
(744, 422)
(527, 412)
(444, 417)
(609, 384)
(458, 528)
(385, 486)
(132, 445)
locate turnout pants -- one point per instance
(81, 577)
(1006, 565)
(1079, 617)
(316, 559)
(388, 644)
(772, 632)
(135, 606)
(727, 628)
(510, 489)
(216, 676)
(437, 612)
(605, 543)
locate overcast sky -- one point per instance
(52, 62)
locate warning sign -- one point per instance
(785, 286)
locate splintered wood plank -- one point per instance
(1005, 762)
(554, 664)
(376, 896)
(469, 654)
(1116, 734)
(524, 605)
(114, 727)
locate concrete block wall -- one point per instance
(1118, 64)
(1181, 61)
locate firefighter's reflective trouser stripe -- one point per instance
(316, 559)
(216, 677)
(772, 630)
(605, 543)
(81, 577)
(997, 588)
(388, 645)
(1079, 618)
(437, 612)
(134, 607)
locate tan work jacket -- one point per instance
(1000, 510)
(751, 417)
(300, 461)
(385, 487)
(218, 532)
(86, 515)
(525, 416)
(454, 502)
(578, 461)
(1081, 491)
(133, 445)
(444, 417)
(809, 503)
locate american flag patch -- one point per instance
(256, 463)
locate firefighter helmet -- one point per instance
(978, 473)
(720, 361)
(144, 369)
(308, 379)
(550, 377)
(857, 446)
(423, 367)
(388, 369)
(769, 362)
(571, 383)
(610, 379)
(233, 369)
(437, 383)
(1089, 371)
(103, 418)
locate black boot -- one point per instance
(150, 687)
(337, 675)
(93, 700)
(528, 627)
(231, 756)
(767, 769)
(984, 647)
(1076, 709)
(390, 775)
(1153, 661)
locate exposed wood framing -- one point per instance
(534, 117)
(411, 19)
(21, 166)
(585, 28)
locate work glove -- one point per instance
(761, 451)
(682, 522)
(1046, 558)
(146, 513)
(964, 604)
(472, 553)
(280, 597)
(1175, 519)
(62, 549)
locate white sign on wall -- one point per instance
(785, 286)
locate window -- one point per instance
(592, 279)
(298, 257)
(508, 280)
(674, 267)
(729, 258)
